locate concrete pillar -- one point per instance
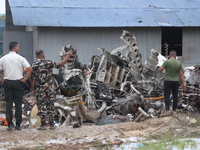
(34, 29)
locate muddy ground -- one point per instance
(92, 136)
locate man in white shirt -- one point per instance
(12, 66)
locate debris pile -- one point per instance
(114, 88)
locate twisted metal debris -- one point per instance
(114, 88)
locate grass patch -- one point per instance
(167, 142)
(42, 147)
(198, 120)
(98, 145)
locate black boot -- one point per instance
(17, 126)
(52, 127)
(11, 126)
(42, 126)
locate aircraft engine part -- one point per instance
(188, 72)
(133, 54)
(143, 112)
(103, 107)
(158, 104)
(69, 70)
(67, 74)
(151, 64)
(73, 62)
(59, 106)
(152, 112)
(108, 68)
(151, 73)
(103, 91)
(125, 106)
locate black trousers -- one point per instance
(13, 94)
(171, 86)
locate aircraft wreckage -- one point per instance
(113, 88)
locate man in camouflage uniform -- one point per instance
(43, 85)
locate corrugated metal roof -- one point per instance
(106, 13)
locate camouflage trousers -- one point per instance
(45, 103)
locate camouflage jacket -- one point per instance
(43, 72)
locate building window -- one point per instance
(171, 40)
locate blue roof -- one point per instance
(106, 13)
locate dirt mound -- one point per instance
(90, 135)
